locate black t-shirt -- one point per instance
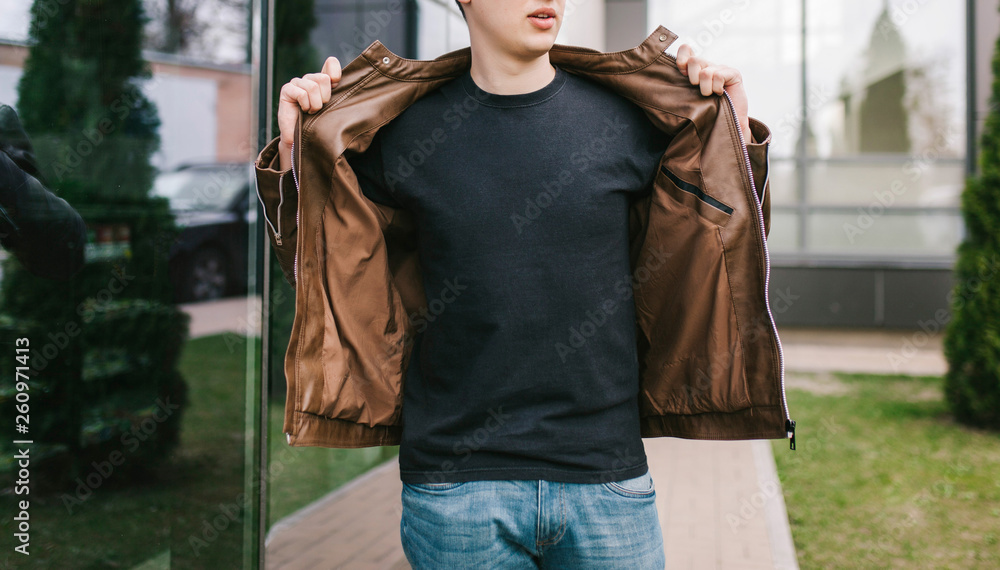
(526, 366)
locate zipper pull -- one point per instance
(790, 428)
(277, 239)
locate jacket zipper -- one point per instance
(789, 423)
(281, 199)
(295, 258)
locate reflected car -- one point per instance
(211, 204)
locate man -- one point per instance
(41, 229)
(521, 447)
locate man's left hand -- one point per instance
(714, 78)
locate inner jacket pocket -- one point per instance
(708, 206)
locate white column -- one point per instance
(583, 24)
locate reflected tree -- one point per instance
(105, 344)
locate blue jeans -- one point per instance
(532, 524)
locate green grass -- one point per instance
(125, 523)
(884, 478)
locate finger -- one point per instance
(288, 113)
(718, 83)
(694, 70)
(683, 55)
(313, 100)
(730, 77)
(331, 67)
(705, 79)
(322, 80)
(712, 80)
(298, 94)
(292, 93)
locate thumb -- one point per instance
(331, 67)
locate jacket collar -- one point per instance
(456, 62)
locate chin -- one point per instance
(540, 43)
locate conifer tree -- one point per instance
(972, 337)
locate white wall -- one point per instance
(8, 84)
(441, 28)
(583, 24)
(186, 108)
(188, 120)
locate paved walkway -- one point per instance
(240, 315)
(720, 506)
(720, 503)
(908, 352)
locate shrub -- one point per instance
(972, 337)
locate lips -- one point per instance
(543, 18)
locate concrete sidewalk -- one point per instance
(720, 503)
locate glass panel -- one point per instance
(442, 28)
(124, 289)
(782, 182)
(344, 28)
(889, 234)
(762, 39)
(886, 77)
(784, 234)
(889, 181)
(298, 476)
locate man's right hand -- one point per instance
(307, 93)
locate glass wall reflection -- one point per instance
(125, 326)
(306, 33)
(866, 102)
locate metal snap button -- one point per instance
(663, 37)
(385, 59)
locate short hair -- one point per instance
(460, 9)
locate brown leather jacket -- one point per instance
(709, 356)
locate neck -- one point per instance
(504, 74)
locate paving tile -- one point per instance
(700, 486)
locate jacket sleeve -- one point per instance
(41, 229)
(760, 139)
(278, 195)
